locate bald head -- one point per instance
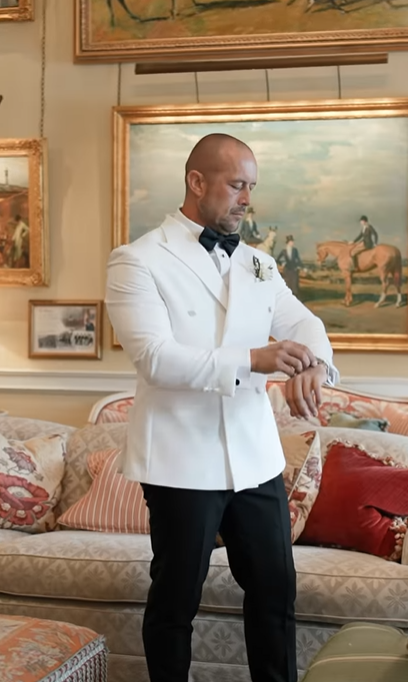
(221, 172)
(213, 151)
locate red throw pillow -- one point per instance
(360, 505)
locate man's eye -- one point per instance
(237, 187)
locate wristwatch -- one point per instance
(323, 362)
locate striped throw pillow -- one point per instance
(113, 504)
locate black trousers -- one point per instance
(255, 527)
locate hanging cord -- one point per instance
(268, 89)
(119, 90)
(197, 90)
(338, 82)
(43, 64)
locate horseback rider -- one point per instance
(366, 240)
(248, 228)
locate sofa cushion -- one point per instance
(22, 428)
(77, 480)
(333, 585)
(360, 502)
(113, 504)
(302, 476)
(31, 472)
(7, 535)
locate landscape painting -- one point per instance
(23, 219)
(331, 205)
(188, 30)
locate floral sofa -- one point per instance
(100, 580)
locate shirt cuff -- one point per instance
(243, 378)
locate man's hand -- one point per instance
(288, 357)
(304, 393)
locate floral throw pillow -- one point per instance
(31, 472)
(302, 476)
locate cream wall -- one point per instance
(78, 128)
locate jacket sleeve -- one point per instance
(141, 321)
(293, 321)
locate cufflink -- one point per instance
(237, 382)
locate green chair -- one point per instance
(362, 652)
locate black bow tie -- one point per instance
(209, 238)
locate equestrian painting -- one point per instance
(330, 206)
(112, 30)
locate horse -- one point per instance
(386, 258)
(268, 243)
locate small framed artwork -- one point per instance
(194, 30)
(24, 244)
(65, 329)
(16, 10)
(331, 204)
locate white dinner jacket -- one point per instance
(187, 335)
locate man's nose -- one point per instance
(245, 196)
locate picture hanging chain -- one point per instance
(338, 82)
(268, 89)
(197, 91)
(43, 65)
(119, 91)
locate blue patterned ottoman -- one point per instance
(34, 650)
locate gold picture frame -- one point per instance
(24, 239)
(22, 11)
(188, 30)
(323, 165)
(65, 329)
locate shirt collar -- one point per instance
(194, 228)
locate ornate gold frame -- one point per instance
(98, 305)
(126, 116)
(231, 47)
(38, 272)
(24, 12)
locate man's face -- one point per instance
(363, 223)
(226, 192)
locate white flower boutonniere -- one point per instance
(262, 271)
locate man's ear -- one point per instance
(196, 183)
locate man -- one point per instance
(367, 239)
(20, 237)
(248, 228)
(194, 311)
(290, 259)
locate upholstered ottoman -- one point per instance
(33, 650)
(362, 652)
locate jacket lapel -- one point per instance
(248, 299)
(184, 246)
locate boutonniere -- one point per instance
(262, 271)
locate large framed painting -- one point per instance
(16, 10)
(180, 30)
(331, 205)
(24, 247)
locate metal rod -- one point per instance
(268, 88)
(338, 82)
(197, 90)
(267, 63)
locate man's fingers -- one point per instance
(295, 399)
(303, 396)
(301, 353)
(317, 389)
